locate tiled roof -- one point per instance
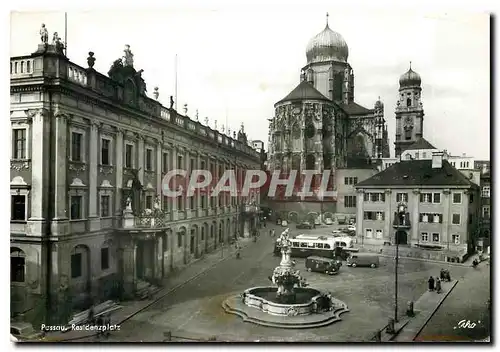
(417, 173)
(422, 143)
(355, 109)
(304, 91)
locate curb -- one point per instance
(434, 311)
(160, 297)
(421, 260)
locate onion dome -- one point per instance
(410, 79)
(379, 104)
(327, 46)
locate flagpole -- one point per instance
(65, 34)
(175, 82)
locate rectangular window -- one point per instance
(19, 141)
(104, 258)
(76, 265)
(191, 202)
(105, 152)
(203, 201)
(355, 180)
(149, 159)
(18, 208)
(179, 203)
(129, 152)
(105, 205)
(179, 162)
(76, 146)
(471, 198)
(425, 197)
(165, 203)
(350, 201)
(455, 238)
(149, 202)
(424, 155)
(435, 237)
(369, 215)
(485, 192)
(380, 216)
(457, 198)
(179, 239)
(17, 265)
(369, 233)
(424, 237)
(191, 165)
(164, 163)
(402, 197)
(416, 156)
(436, 198)
(486, 212)
(437, 218)
(455, 219)
(76, 208)
(379, 234)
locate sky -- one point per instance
(235, 62)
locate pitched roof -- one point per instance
(422, 143)
(304, 91)
(417, 173)
(355, 109)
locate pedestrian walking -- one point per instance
(431, 283)
(442, 274)
(438, 285)
(91, 314)
(100, 323)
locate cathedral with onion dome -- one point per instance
(318, 125)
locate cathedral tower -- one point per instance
(409, 111)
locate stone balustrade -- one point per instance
(21, 67)
(77, 74)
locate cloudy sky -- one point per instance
(235, 62)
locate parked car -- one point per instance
(328, 221)
(306, 225)
(323, 265)
(25, 332)
(363, 259)
(352, 227)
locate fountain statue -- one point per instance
(284, 275)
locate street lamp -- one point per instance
(400, 223)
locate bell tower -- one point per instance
(409, 112)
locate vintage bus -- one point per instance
(323, 246)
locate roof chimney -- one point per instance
(437, 160)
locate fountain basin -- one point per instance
(264, 298)
(259, 305)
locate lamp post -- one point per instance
(400, 223)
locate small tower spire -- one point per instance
(327, 15)
(410, 65)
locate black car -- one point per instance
(306, 225)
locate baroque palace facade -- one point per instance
(85, 147)
(319, 126)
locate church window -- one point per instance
(408, 134)
(310, 130)
(408, 102)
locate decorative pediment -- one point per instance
(18, 181)
(106, 184)
(77, 183)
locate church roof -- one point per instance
(355, 109)
(417, 173)
(304, 91)
(422, 143)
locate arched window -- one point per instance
(28, 66)
(17, 265)
(310, 162)
(408, 102)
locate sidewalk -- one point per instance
(170, 284)
(424, 308)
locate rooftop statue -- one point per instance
(128, 57)
(44, 34)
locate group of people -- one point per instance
(435, 284)
(101, 320)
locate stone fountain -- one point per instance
(288, 304)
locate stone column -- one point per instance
(60, 222)
(187, 167)
(93, 172)
(413, 238)
(140, 166)
(159, 258)
(198, 197)
(39, 172)
(159, 190)
(129, 270)
(119, 171)
(173, 200)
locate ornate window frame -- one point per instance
(77, 188)
(110, 138)
(133, 156)
(83, 132)
(106, 189)
(20, 125)
(20, 188)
